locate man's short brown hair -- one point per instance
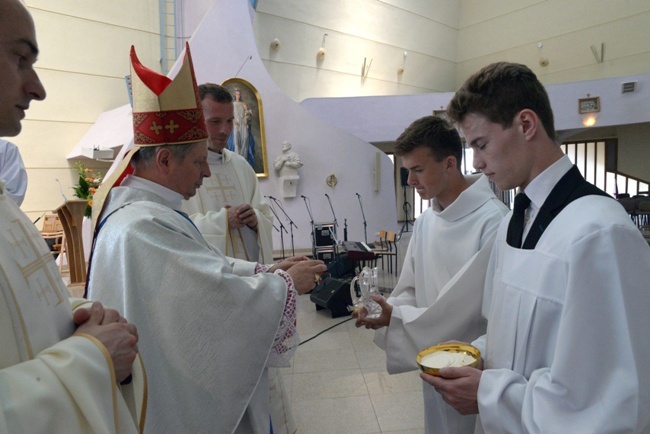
(500, 91)
(216, 92)
(433, 133)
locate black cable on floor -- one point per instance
(321, 332)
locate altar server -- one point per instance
(440, 290)
(567, 298)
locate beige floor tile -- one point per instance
(352, 415)
(372, 358)
(399, 411)
(287, 381)
(324, 360)
(332, 340)
(331, 384)
(362, 338)
(338, 381)
(408, 431)
(380, 382)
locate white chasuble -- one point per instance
(50, 381)
(233, 183)
(207, 324)
(440, 290)
(567, 347)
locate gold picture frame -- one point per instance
(589, 105)
(248, 137)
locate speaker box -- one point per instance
(332, 294)
(324, 234)
(325, 254)
(404, 176)
(341, 267)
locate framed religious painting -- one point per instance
(248, 138)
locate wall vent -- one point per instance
(627, 87)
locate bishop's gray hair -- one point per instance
(145, 156)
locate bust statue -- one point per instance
(287, 163)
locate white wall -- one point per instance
(383, 118)
(82, 63)
(219, 46)
(496, 30)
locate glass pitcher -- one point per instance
(368, 285)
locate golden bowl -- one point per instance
(447, 355)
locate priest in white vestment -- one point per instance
(59, 370)
(209, 325)
(566, 296)
(12, 171)
(229, 209)
(233, 216)
(440, 290)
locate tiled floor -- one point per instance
(338, 382)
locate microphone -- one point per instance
(272, 198)
(36, 221)
(358, 195)
(65, 199)
(327, 195)
(303, 196)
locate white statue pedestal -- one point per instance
(289, 185)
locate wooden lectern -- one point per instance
(71, 214)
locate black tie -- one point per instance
(516, 226)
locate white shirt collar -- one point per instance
(215, 157)
(540, 187)
(173, 199)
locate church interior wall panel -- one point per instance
(105, 47)
(619, 68)
(47, 143)
(75, 97)
(473, 12)
(387, 26)
(300, 84)
(83, 59)
(442, 11)
(545, 19)
(429, 64)
(634, 150)
(376, 118)
(142, 14)
(566, 40)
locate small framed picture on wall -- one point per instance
(589, 105)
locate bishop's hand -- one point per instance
(287, 263)
(305, 273)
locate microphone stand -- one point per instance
(333, 232)
(291, 223)
(281, 229)
(336, 224)
(345, 229)
(311, 221)
(365, 224)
